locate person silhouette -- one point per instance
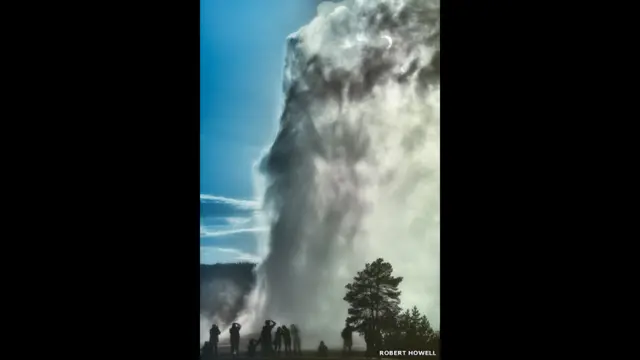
(205, 352)
(234, 332)
(213, 339)
(277, 342)
(347, 339)
(253, 344)
(265, 337)
(322, 349)
(286, 336)
(295, 334)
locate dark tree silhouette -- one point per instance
(394, 328)
(374, 298)
(412, 330)
(424, 329)
(374, 311)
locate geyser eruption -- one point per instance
(354, 171)
(222, 293)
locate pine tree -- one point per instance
(373, 297)
(390, 324)
(424, 328)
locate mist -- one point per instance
(354, 171)
(223, 292)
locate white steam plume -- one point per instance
(220, 301)
(354, 172)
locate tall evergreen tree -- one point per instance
(373, 297)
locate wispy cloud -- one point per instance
(229, 211)
(214, 253)
(222, 216)
(237, 221)
(217, 231)
(238, 203)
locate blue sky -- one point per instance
(241, 59)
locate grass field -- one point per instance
(357, 353)
(224, 352)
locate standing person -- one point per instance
(252, 347)
(277, 342)
(265, 337)
(205, 353)
(295, 334)
(286, 335)
(235, 338)
(213, 339)
(322, 349)
(347, 339)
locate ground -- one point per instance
(224, 353)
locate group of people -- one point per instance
(283, 334)
(268, 346)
